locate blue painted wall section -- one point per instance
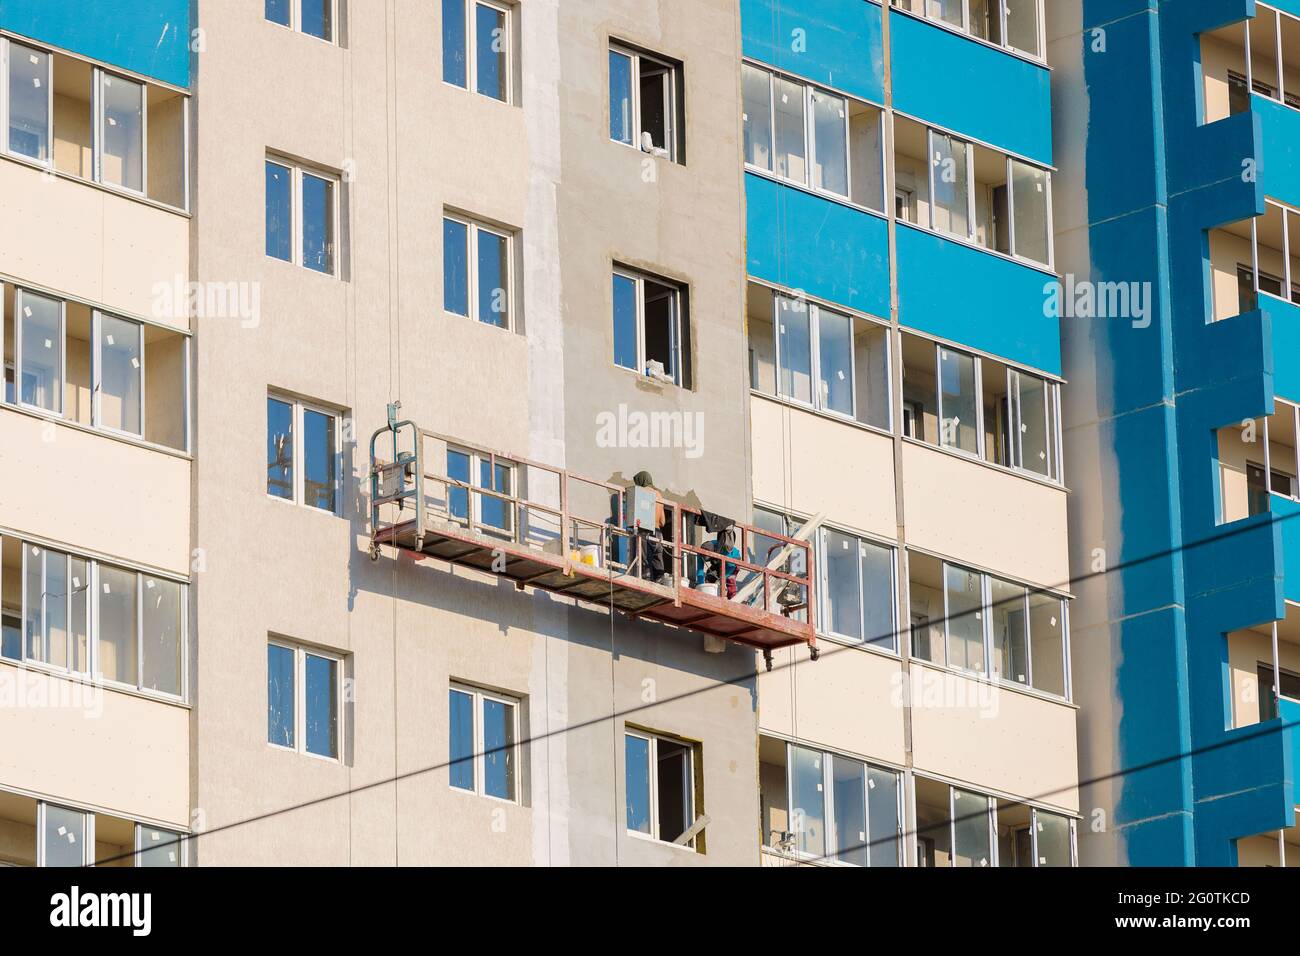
(836, 43)
(1157, 181)
(824, 248)
(149, 37)
(971, 88)
(957, 292)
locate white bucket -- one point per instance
(709, 589)
(590, 554)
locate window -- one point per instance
(312, 17)
(483, 742)
(485, 510)
(963, 828)
(97, 369)
(981, 407)
(86, 617)
(645, 109)
(158, 848)
(660, 786)
(972, 192)
(813, 137)
(761, 551)
(650, 324)
(815, 356)
(857, 589)
(66, 837)
(1012, 24)
(824, 807)
(303, 453)
(970, 621)
(301, 216)
(37, 833)
(477, 47)
(478, 271)
(85, 121)
(304, 701)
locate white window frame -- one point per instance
(182, 844)
(300, 407)
(474, 504)
(831, 844)
(468, 11)
(88, 834)
(672, 134)
(97, 372)
(965, 27)
(297, 250)
(295, 21)
(652, 782)
(809, 138)
(478, 761)
(823, 583)
(640, 278)
(300, 654)
(100, 76)
(6, 51)
(25, 550)
(18, 353)
(1276, 94)
(472, 229)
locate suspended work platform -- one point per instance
(545, 528)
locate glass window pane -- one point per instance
(835, 351)
(882, 804)
(279, 211)
(41, 356)
(965, 618)
(877, 594)
(636, 758)
(957, 401)
(121, 374)
(29, 102)
(320, 460)
(1010, 654)
(1035, 441)
(970, 825)
(460, 709)
(756, 87)
(56, 609)
(490, 41)
(11, 638)
(279, 695)
(279, 449)
(620, 97)
(1022, 26)
(1047, 642)
(808, 810)
(1029, 210)
(278, 11)
(458, 498)
(794, 347)
(843, 590)
(790, 146)
(949, 11)
(455, 267)
(321, 700)
(498, 749)
(494, 512)
(34, 602)
(158, 847)
(317, 223)
(493, 279)
(848, 797)
(79, 625)
(122, 159)
(454, 69)
(1053, 839)
(117, 624)
(830, 143)
(950, 211)
(317, 18)
(64, 837)
(163, 628)
(625, 322)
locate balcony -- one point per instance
(600, 543)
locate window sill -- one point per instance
(125, 438)
(509, 103)
(476, 795)
(983, 463)
(298, 266)
(1047, 270)
(49, 170)
(984, 679)
(292, 503)
(302, 33)
(820, 194)
(948, 27)
(664, 156)
(646, 838)
(334, 761)
(100, 684)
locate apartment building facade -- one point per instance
(460, 270)
(1179, 195)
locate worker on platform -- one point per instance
(650, 541)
